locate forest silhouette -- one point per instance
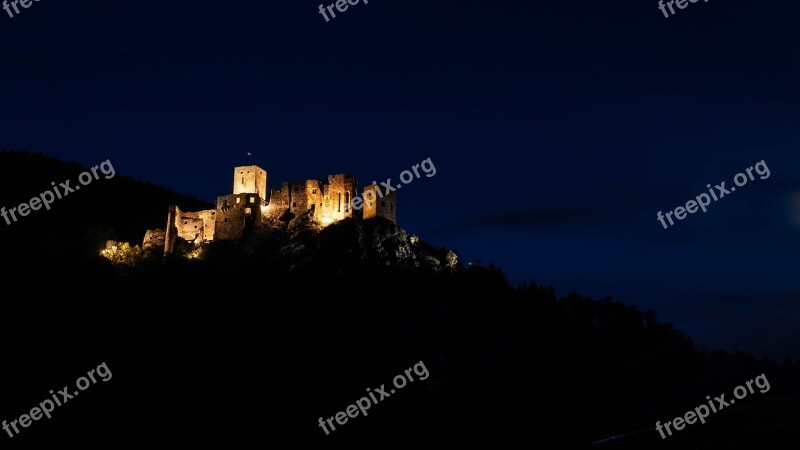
(258, 338)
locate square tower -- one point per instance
(250, 180)
(377, 205)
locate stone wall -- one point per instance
(278, 201)
(236, 213)
(385, 206)
(171, 233)
(154, 240)
(209, 218)
(305, 195)
(338, 193)
(190, 226)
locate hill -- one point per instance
(253, 340)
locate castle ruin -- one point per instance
(327, 201)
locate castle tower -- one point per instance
(337, 198)
(378, 204)
(250, 180)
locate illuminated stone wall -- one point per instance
(330, 200)
(154, 240)
(171, 233)
(338, 193)
(209, 223)
(305, 195)
(190, 226)
(278, 201)
(194, 227)
(234, 214)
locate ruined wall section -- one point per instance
(209, 218)
(154, 240)
(304, 196)
(190, 226)
(313, 192)
(171, 233)
(235, 214)
(278, 201)
(338, 194)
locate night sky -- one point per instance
(558, 129)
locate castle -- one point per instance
(327, 201)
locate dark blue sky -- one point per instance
(558, 129)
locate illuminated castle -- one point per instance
(326, 201)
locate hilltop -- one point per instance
(297, 321)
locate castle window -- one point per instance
(185, 222)
(226, 219)
(238, 199)
(294, 204)
(242, 180)
(313, 191)
(247, 210)
(213, 213)
(252, 199)
(346, 201)
(391, 206)
(195, 227)
(340, 202)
